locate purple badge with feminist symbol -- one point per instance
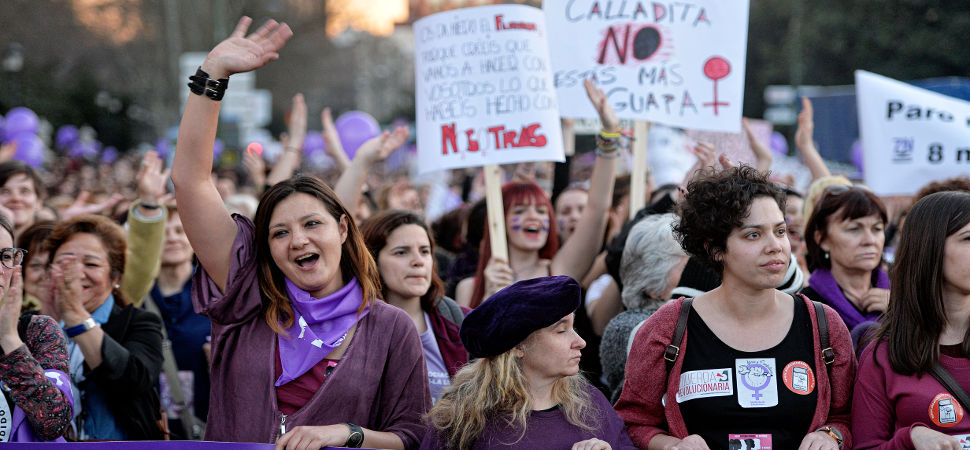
(757, 382)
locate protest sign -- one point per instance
(484, 88)
(675, 63)
(910, 136)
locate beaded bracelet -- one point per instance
(200, 84)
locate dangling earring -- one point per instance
(826, 255)
(118, 286)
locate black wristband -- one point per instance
(200, 84)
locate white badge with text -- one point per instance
(964, 440)
(704, 383)
(757, 382)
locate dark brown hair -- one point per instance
(376, 231)
(849, 204)
(355, 260)
(13, 167)
(112, 238)
(916, 316)
(716, 204)
(33, 237)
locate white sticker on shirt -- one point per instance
(757, 382)
(705, 383)
(964, 440)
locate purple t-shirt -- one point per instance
(438, 378)
(548, 429)
(886, 405)
(381, 382)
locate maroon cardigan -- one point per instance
(445, 330)
(640, 403)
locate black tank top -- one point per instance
(744, 400)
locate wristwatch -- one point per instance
(81, 328)
(834, 432)
(356, 439)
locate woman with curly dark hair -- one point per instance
(744, 360)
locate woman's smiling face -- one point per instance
(306, 243)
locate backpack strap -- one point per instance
(828, 355)
(673, 349)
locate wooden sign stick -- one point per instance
(496, 212)
(638, 174)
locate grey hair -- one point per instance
(650, 253)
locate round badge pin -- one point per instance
(945, 410)
(799, 378)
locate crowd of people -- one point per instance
(731, 312)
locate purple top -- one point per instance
(886, 405)
(381, 382)
(823, 283)
(548, 429)
(438, 378)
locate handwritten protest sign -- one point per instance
(910, 136)
(484, 88)
(676, 63)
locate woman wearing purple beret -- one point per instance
(302, 353)
(524, 391)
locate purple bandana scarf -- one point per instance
(320, 325)
(824, 283)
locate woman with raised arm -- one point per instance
(897, 402)
(530, 227)
(743, 361)
(302, 354)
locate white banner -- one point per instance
(676, 63)
(910, 136)
(484, 89)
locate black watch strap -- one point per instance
(356, 439)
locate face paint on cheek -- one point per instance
(516, 226)
(545, 225)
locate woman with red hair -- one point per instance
(531, 231)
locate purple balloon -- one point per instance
(163, 147)
(313, 143)
(20, 120)
(217, 148)
(778, 143)
(84, 149)
(355, 128)
(30, 149)
(109, 155)
(856, 156)
(66, 136)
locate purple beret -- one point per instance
(509, 316)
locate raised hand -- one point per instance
(151, 179)
(81, 205)
(256, 167)
(334, 148)
(241, 53)
(66, 277)
(806, 126)
(378, 148)
(611, 123)
(761, 153)
(13, 300)
(297, 127)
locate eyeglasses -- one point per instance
(839, 189)
(12, 257)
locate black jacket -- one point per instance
(131, 361)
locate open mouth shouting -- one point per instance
(307, 261)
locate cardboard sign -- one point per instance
(484, 88)
(675, 63)
(910, 136)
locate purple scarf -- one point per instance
(824, 283)
(320, 326)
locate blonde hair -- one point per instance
(496, 389)
(815, 191)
